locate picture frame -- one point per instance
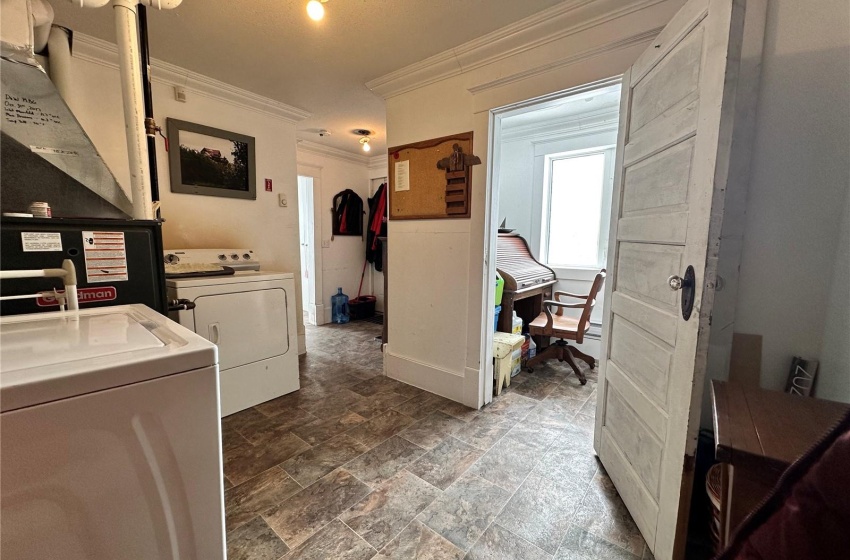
(210, 161)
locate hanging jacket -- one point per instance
(347, 213)
(377, 227)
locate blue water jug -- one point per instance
(339, 307)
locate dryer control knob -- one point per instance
(234, 256)
(222, 257)
(246, 256)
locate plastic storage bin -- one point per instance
(505, 345)
(500, 288)
(362, 307)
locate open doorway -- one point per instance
(552, 180)
(311, 296)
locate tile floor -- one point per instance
(356, 465)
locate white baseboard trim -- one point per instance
(319, 314)
(431, 378)
(302, 344)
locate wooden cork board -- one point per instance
(426, 199)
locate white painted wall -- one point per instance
(342, 261)
(799, 184)
(438, 271)
(834, 374)
(202, 221)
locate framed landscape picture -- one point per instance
(210, 161)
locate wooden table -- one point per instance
(758, 434)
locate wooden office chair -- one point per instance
(564, 328)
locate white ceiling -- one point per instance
(566, 109)
(271, 47)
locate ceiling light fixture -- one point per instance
(364, 137)
(315, 9)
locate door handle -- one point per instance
(687, 285)
(214, 333)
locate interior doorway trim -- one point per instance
(491, 217)
(316, 306)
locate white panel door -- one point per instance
(247, 326)
(677, 122)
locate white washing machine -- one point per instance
(111, 441)
(249, 314)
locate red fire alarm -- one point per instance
(268, 185)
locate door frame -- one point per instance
(316, 307)
(491, 217)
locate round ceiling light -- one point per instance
(315, 9)
(365, 143)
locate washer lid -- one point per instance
(49, 356)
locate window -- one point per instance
(576, 208)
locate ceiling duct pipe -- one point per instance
(130, 68)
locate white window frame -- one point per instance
(567, 270)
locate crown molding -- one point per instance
(544, 27)
(637, 39)
(328, 151)
(104, 53)
(378, 162)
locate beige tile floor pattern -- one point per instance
(356, 465)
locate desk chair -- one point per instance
(564, 328)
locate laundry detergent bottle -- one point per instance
(339, 307)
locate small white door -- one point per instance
(246, 326)
(305, 227)
(677, 124)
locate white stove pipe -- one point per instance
(129, 66)
(59, 47)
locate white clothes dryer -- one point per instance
(249, 314)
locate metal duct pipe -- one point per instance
(59, 49)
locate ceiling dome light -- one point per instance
(315, 9)
(365, 143)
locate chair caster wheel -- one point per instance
(583, 381)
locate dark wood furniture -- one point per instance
(527, 282)
(758, 434)
(557, 325)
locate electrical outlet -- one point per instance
(326, 244)
(281, 198)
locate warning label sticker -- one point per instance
(36, 241)
(106, 256)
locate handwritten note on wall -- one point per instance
(26, 111)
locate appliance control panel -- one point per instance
(240, 259)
